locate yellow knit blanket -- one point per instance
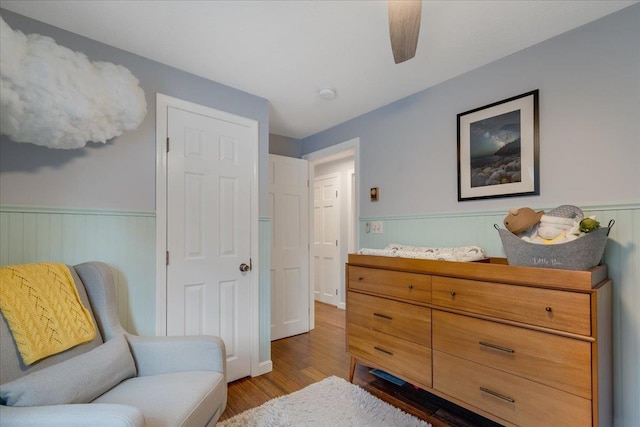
(43, 309)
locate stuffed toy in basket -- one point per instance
(574, 253)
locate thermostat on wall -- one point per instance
(375, 194)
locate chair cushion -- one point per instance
(77, 380)
(181, 398)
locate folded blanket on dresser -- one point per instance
(43, 309)
(461, 253)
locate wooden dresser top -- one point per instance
(492, 270)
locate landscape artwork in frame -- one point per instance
(498, 149)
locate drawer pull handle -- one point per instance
(498, 395)
(452, 293)
(410, 286)
(384, 316)
(548, 309)
(496, 347)
(361, 278)
(383, 350)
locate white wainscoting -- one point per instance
(123, 240)
(126, 241)
(622, 257)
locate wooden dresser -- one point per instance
(519, 345)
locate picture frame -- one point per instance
(498, 149)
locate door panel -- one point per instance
(209, 232)
(288, 205)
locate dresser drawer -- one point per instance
(399, 357)
(514, 399)
(398, 284)
(561, 310)
(403, 320)
(559, 362)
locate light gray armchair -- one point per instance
(118, 379)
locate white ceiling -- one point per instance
(285, 51)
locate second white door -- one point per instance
(288, 207)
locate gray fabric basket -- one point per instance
(581, 254)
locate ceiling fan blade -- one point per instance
(404, 28)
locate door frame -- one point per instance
(336, 150)
(351, 216)
(163, 102)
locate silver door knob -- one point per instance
(244, 267)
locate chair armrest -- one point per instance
(97, 278)
(161, 355)
(80, 415)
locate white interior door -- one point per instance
(209, 169)
(326, 223)
(288, 208)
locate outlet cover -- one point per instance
(377, 227)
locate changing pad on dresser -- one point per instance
(461, 253)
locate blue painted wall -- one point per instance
(589, 129)
(285, 146)
(589, 82)
(120, 174)
(99, 202)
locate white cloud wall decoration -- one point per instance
(55, 97)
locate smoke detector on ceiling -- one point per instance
(327, 93)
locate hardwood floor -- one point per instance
(307, 358)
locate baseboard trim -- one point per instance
(265, 367)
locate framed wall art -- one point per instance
(498, 149)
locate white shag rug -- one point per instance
(331, 402)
